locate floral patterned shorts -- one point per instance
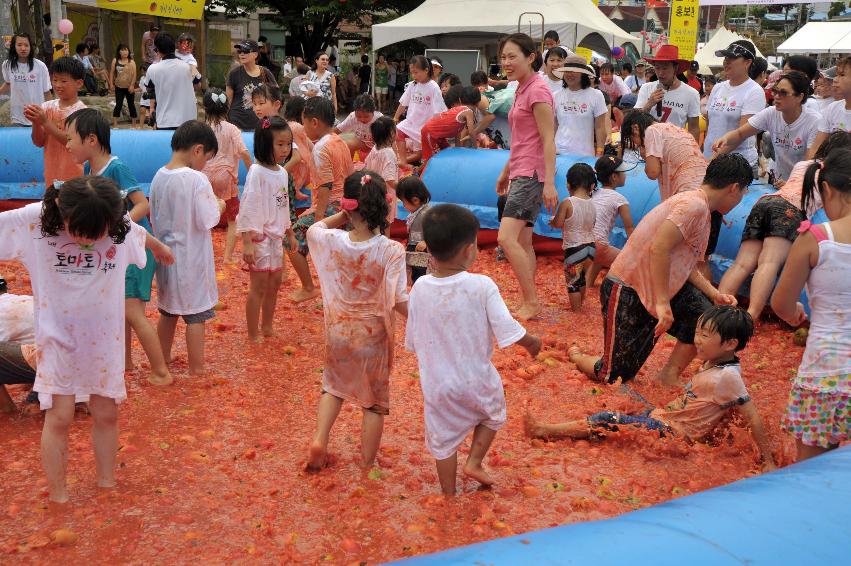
(818, 419)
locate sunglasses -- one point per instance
(245, 51)
(781, 93)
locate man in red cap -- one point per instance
(668, 99)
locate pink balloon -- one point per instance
(66, 27)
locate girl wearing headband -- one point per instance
(362, 275)
(223, 169)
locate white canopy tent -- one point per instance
(472, 23)
(819, 37)
(706, 57)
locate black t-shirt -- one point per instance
(241, 112)
(364, 73)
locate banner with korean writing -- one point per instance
(683, 32)
(751, 2)
(179, 9)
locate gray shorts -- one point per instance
(197, 318)
(525, 195)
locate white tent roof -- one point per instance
(819, 37)
(720, 40)
(572, 19)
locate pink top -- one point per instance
(689, 212)
(527, 156)
(683, 164)
(231, 146)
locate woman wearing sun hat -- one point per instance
(734, 101)
(580, 111)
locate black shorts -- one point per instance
(717, 219)
(772, 217)
(628, 327)
(13, 367)
(500, 208)
(525, 196)
(574, 257)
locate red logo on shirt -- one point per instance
(798, 141)
(584, 106)
(110, 253)
(732, 104)
(428, 99)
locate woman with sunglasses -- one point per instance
(242, 81)
(734, 101)
(792, 127)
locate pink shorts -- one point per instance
(268, 255)
(605, 254)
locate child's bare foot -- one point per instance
(160, 379)
(256, 338)
(106, 484)
(573, 352)
(58, 497)
(197, 371)
(303, 295)
(269, 333)
(478, 473)
(531, 427)
(317, 457)
(529, 311)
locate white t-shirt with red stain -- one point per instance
(423, 101)
(78, 293)
(790, 140)
(678, 105)
(359, 129)
(264, 208)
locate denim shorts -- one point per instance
(197, 318)
(525, 195)
(609, 420)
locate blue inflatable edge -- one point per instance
(796, 515)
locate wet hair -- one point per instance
(319, 108)
(264, 139)
(538, 62)
(67, 66)
(758, 67)
(118, 51)
(267, 91)
(92, 206)
(730, 323)
(836, 140)
(453, 96)
(470, 95)
(634, 117)
(371, 196)
(727, 169)
(581, 176)
(551, 34)
(81, 47)
(606, 67)
(447, 229)
(422, 62)
(802, 64)
(13, 53)
(412, 187)
(194, 132)
(363, 103)
(521, 40)
(478, 78)
(605, 169)
(451, 77)
(165, 44)
(383, 131)
(799, 81)
(215, 111)
(835, 170)
(293, 109)
(90, 121)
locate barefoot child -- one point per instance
(454, 317)
(183, 210)
(422, 100)
(48, 120)
(264, 221)
(363, 282)
(714, 391)
(818, 414)
(576, 216)
(609, 203)
(382, 159)
(89, 143)
(415, 197)
(333, 164)
(76, 245)
(457, 122)
(356, 128)
(654, 286)
(223, 170)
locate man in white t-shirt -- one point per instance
(170, 87)
(669, 99)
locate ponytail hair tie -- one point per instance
(265, 123)
(820, 164)
(389, 198)
(220, 98)
(349, 204)
(365, 179)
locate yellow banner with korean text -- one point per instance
(178, 9)
(683, 29)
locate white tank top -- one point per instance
(828, 351)
(579, 228)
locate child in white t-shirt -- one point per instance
(453, 318)
(183, 211)
(421, 100)
(609, 203)
(355, 129)
(837, 115)
(264, 221)
(76, 245)
(382, 159)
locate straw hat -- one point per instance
(575, 64)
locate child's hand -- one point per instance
(162, 254)
(248, 253)
(724, 299)
(35, 114)
(665, 317)
(502, 183)
(534, 346)
(421, 246)
(800, 315)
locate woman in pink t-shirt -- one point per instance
(529, 176)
